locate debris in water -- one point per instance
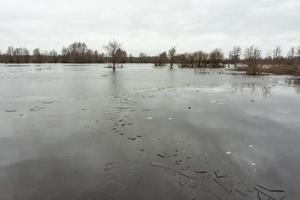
(270, 190)
(187, 176)
(213, 101)
(160, 155)
(200, 172)
(251, 146)
(170, 118)
(36, 108)
(218, 175)
(48, 102)
(222, 186)
(109, 166)
(189, 107)
(181, 182)
(139, 136)
(245, 195)
(14, 110)
(149, 118)
(160, 166)
(228, 152)
(253, 164)
(185, 168)
(178, 162)
(263, 193)
(131, 138)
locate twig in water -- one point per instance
(270, 189)
(217, 172)
(260, 192)
(245, 195)
(187, 176)
(222, 186)
(160, 166)
(181, 182)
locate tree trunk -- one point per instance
(114, 66)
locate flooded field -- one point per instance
(83, 132)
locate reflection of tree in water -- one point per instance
(207, 71)
(294, 82)
(121, 108)
(201, 70)
(254, 89)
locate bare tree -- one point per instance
(235, 55)
(161, 59)
(143, 58)
(291, 53)
(199, 59)
(111, 49)
(121, 56)
(252, 58)
(216, 57)
(277, 54)
(37, 57)
(171, 55)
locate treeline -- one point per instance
(249, 59)
(254, 63)
(77, 52)
(199, 59)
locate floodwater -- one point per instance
(83, 132)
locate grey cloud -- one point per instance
(150, 26)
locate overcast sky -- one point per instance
(150, 26)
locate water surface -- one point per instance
(84, 132)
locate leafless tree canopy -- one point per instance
(235, 55)
(252, 59)
(112, 49)
(171, 55)
(161, 59)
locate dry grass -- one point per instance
(255, 69)
(283, 70)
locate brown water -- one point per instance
(82, 132)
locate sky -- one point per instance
(150, 26)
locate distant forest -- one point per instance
(77, 52)
(249, 59)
